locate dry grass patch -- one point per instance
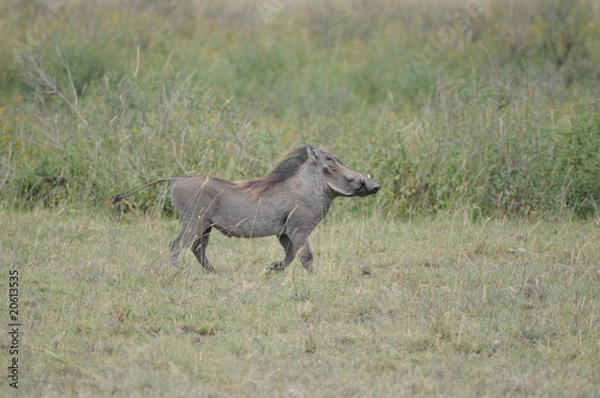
(431, 307)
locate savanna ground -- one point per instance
(438, 307)
(473, 272)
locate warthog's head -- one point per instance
(339, 178)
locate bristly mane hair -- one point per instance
(286, 168)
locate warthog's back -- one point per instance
(227, 207)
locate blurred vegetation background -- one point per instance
(488, 106)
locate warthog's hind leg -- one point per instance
(199, 249)
(176, 249)
(185, 238)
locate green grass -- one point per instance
(431, 307)
(450, 105)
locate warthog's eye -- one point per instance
(329, 158)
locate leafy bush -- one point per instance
(579, 164)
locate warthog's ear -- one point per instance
(313, 152)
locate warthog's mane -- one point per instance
(285, 169)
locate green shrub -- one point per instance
(579, 164)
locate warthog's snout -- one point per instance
(368, 186)
(373, 188)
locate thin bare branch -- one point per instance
(37, 77)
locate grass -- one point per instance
(450, 104)
(473, 272)
(438, 306)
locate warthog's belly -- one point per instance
(246, 229)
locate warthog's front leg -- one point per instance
(290, 253)
(306, 257)
(291, 246)
(199, 249)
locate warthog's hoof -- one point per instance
(277, 266)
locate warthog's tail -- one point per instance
(121, 196)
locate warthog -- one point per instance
(288, 202)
